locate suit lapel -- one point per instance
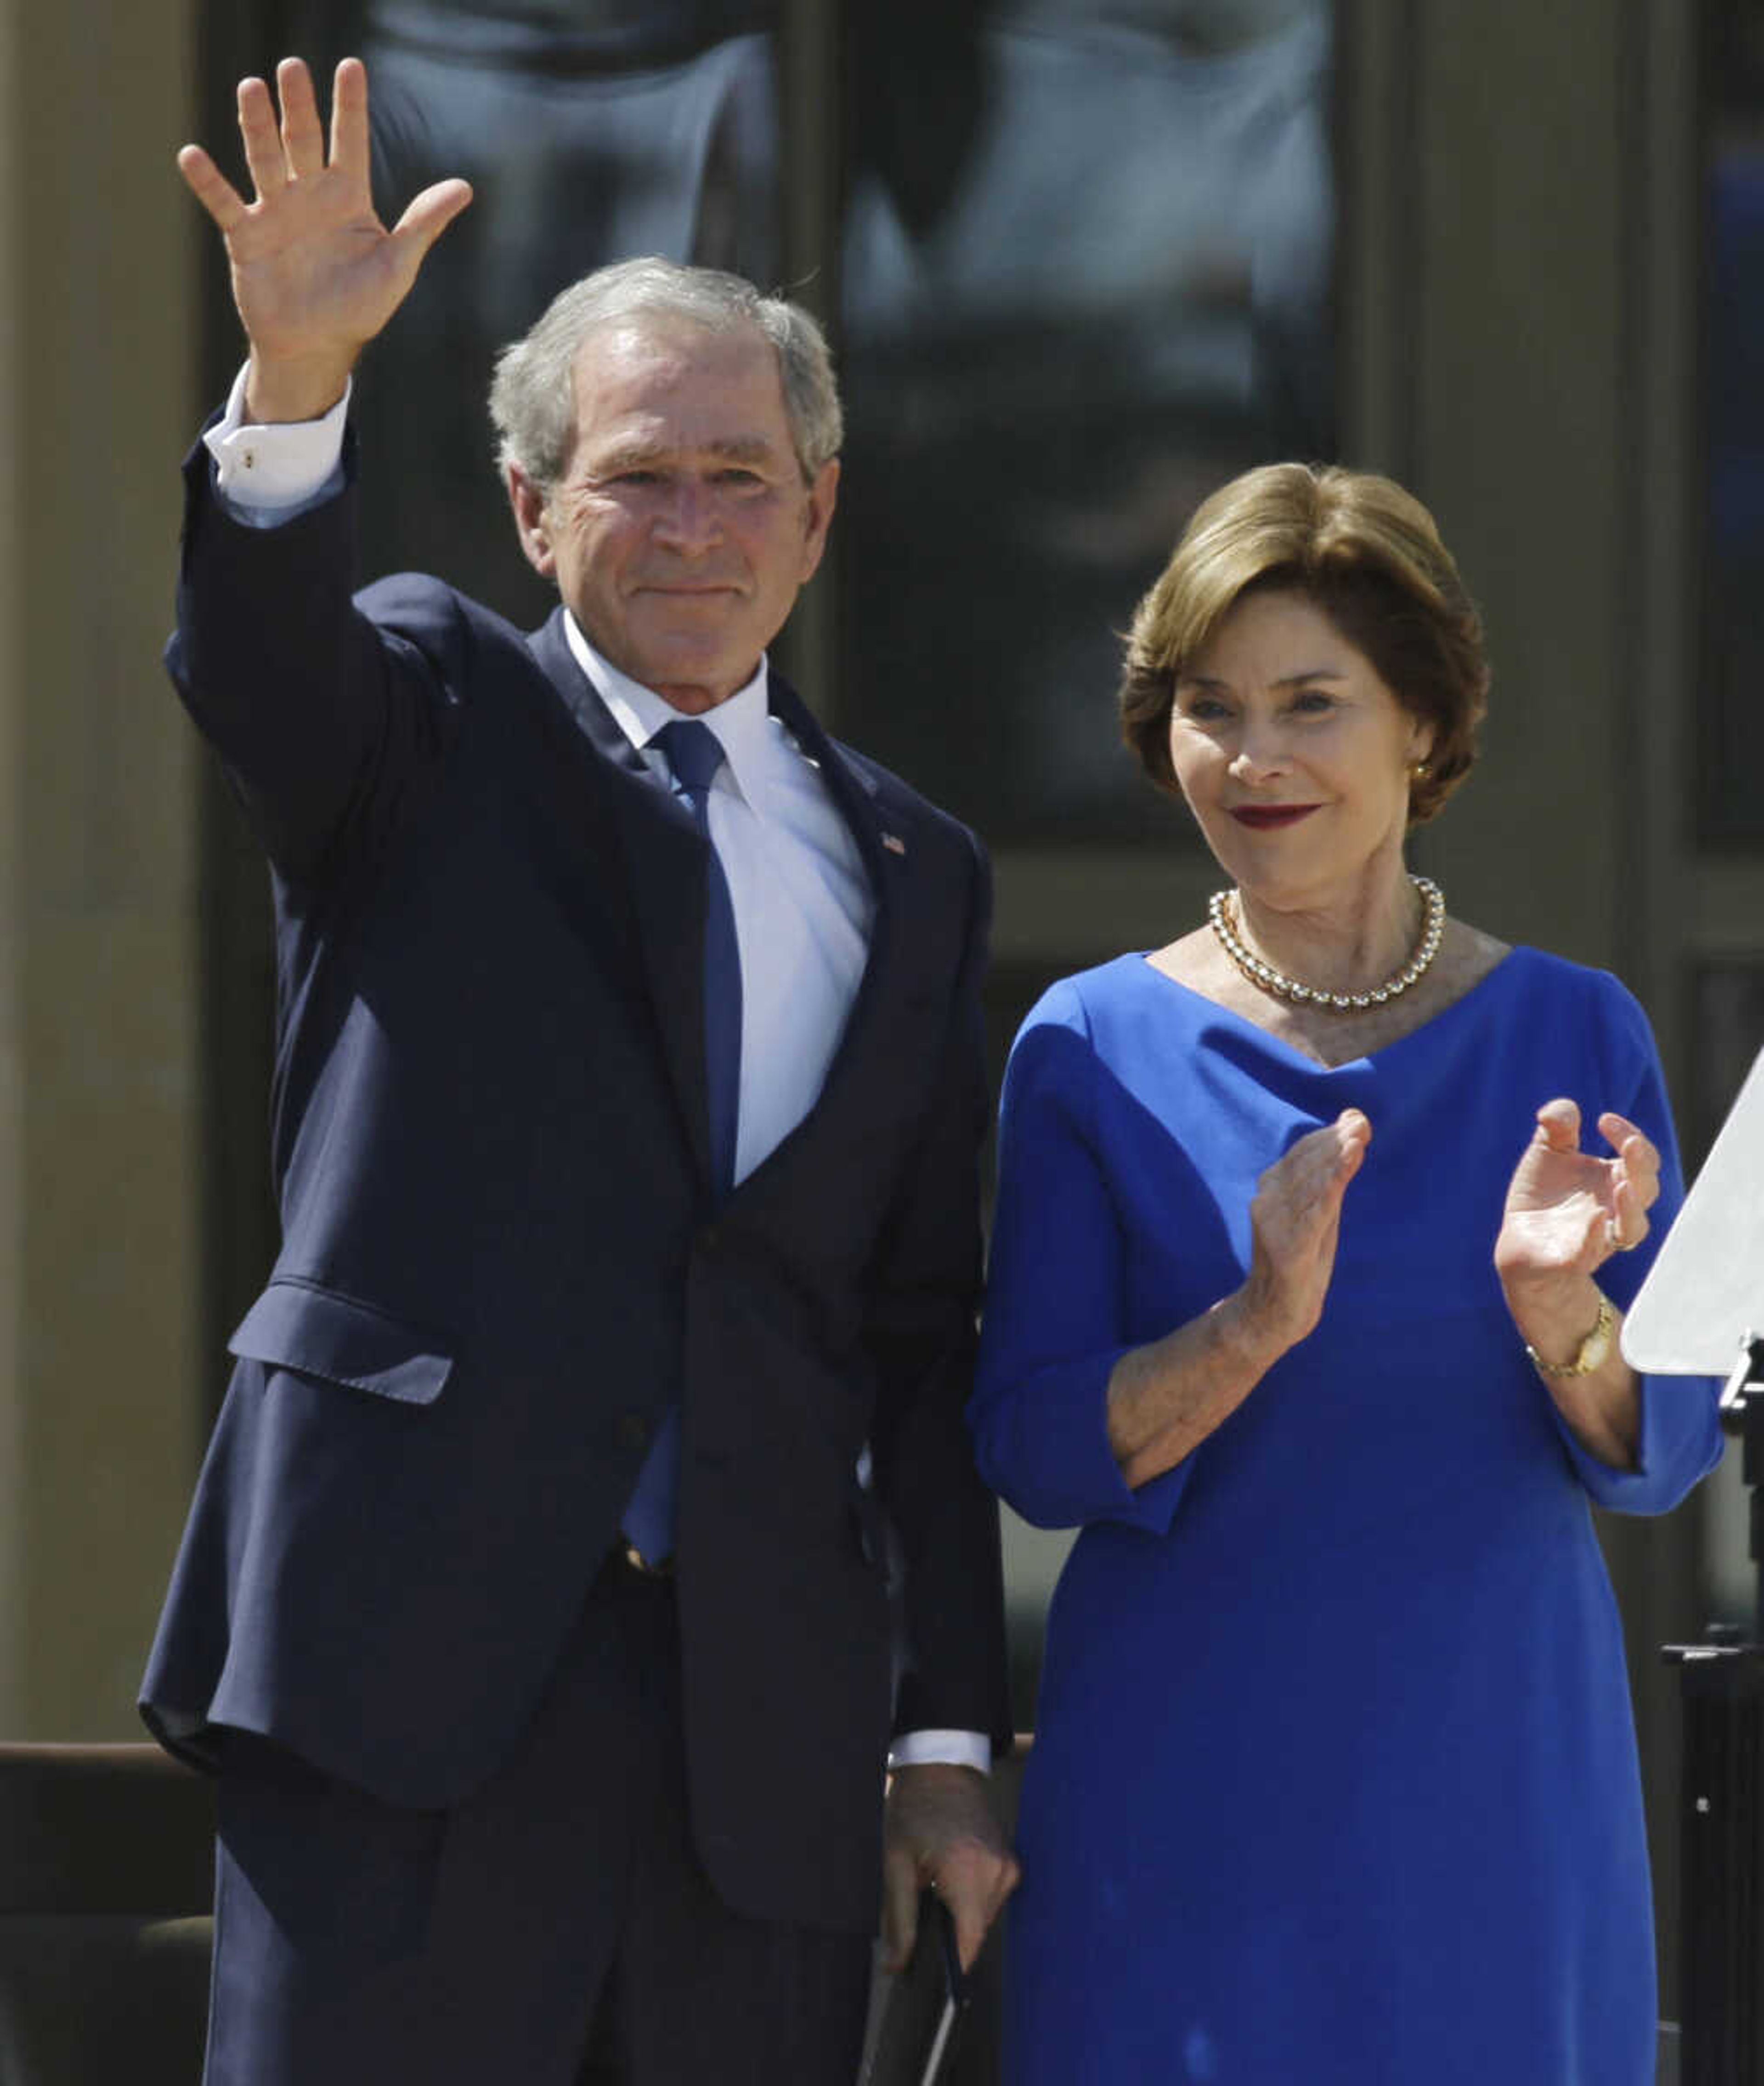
(666, 869)
(665, 865)
(854, 789)
(857, 794)
(882, 833)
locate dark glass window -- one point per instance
(1079, 271)
(1087, 263)
(590, 131)
(1727, 1024)
(1730, 802)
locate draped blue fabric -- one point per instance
(1334, 1778)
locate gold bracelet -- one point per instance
(1592, 1350)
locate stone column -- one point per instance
(100, 1381)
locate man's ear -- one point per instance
(531, 525)
(817, 516)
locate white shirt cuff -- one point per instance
(270, 474)
(946, 1748)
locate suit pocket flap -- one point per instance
(321, 1334)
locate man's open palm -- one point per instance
(315, 273)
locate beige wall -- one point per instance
(99, 1376)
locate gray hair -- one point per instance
(533, 395)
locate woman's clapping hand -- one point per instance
(1169, 1395)
(1568, 1211)
(1295, 1220)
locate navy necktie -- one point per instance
(695, 754)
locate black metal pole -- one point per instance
(1721, 1932)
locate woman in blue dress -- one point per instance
(1314, 1233)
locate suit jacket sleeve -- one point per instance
(322, 719)
(921, 1332)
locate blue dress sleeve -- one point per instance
(1679, 1440)
(1053, 1328)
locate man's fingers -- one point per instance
(900, 1908)
(429, 214)
(975, 1889)
(971, 1924)
(350, 150)
(210, 187)
(262, 138)
(974, 1881)
(303, 140)
(942, 1829)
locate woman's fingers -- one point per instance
(1298, 1203)
(1342, 1145)
(1295, 1218)
(1638, 1153)
(1634, 1180)
(1632, 1196)
(1629, 1216)
(1558, 1124)
(1353, 1128)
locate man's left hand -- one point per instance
(941, 1829)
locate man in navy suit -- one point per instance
(590, 1516)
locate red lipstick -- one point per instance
(1262, 817)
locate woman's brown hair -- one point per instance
(1369, 556)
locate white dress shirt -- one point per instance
(800, 894)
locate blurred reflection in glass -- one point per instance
(591, 129)
(1087, 274)
(1730, 801)
(1085, 268)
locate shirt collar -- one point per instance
(738, 720)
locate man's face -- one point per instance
(681, 528)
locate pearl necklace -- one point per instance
(1432, 921)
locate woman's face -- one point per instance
(1293, 755)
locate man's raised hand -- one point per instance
(315, 273)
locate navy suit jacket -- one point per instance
(502, 1258)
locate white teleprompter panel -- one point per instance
(1704, 1296)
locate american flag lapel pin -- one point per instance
(894, 843)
